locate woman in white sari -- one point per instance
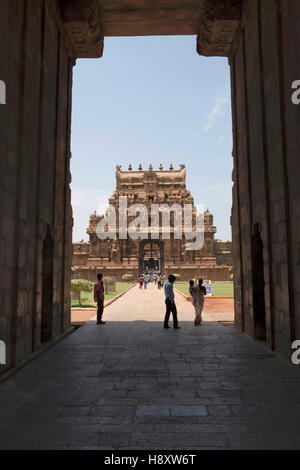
(197, 292)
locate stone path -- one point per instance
(148, 305)
(132, 384)
(215, 309)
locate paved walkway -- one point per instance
(132, 384)
(148, 305)
(215, 309)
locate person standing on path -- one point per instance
(170, 303)
(99, 298)
(197, 292)
(146, 280)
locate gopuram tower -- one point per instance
(115, 257)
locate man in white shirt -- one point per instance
(170, 303)
(146, 280)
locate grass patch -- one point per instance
(88, 297)
(75, 304)
(218, 288)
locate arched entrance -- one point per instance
(151, 256)
(37, 176)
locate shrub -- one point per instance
(109, 284)
(231, 277)
(80, 285)
(127, 277)
(177, 277)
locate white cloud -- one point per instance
(215, 113)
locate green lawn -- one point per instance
(88, 297)
(218, 288)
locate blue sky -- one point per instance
(151, 100)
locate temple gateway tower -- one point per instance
(116, 257)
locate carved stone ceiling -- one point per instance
(87, 22)
(150, 17)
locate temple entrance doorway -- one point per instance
(151, 256)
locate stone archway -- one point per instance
(151, 256)
(42, 40)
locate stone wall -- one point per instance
(266, 193)
(223, 252)
(213, 273)
(34, 175)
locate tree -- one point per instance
(80, 285)
(127, 277)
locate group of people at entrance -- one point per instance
(158, 279)
(197, 291)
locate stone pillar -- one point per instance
(261, 39)
(36, 64)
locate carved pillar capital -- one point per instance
(218, 27)
(82, 21)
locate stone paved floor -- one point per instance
(132, 384)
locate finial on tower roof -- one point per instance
(150, 167)
(93, 216)
(161, 167)
(171, 167)
(140, 167)
(130, 167)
